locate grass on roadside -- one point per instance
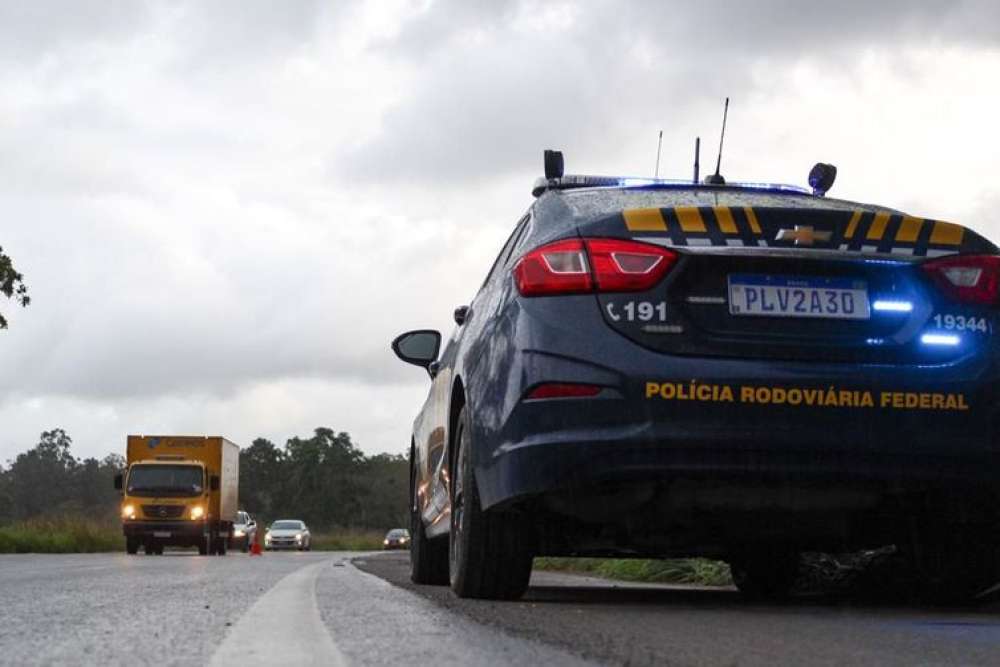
(348, 540)
(60, 536)
(699, 571)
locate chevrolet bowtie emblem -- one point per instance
(802, 235)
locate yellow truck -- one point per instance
(179, 491)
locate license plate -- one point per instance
(161, 533)
(790, 296)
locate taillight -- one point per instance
(967, 278)
(556, 268)
(607, 265)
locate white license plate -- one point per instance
(790, 296)
(161, 533)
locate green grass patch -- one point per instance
(699, 571)
(348, 540)
(62, 535)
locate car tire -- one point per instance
(766, 573)
(220, 546)
(428, 558)
(131, 546)
(489, 552)
(245, 547)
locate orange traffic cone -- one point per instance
(255, 548)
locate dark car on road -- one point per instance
(738, 371)
(397, 538)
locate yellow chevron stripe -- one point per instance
(725, 217)
(877, 229)
(690, 219)
(909, 229)
(852, 226)
(752, 218)
(644, 220)
(947, 233)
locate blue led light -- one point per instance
(892, 306)
(940, 339)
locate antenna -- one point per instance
(716, 178)
(659, 144)
(697, 153)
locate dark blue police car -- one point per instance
(741, 371)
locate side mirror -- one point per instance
(419, 347)
(214, 483)
(119, 481)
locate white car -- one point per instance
(288, 534)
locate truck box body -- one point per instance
(180, 491)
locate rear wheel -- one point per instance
(428, 558)
(490, 555)
(766, 573)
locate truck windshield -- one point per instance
(165, 480)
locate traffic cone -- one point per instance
(255, 548)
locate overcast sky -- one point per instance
(225, 211)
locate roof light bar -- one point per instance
(571, 181)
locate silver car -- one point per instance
(244, 531)
(288, 534)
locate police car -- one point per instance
(737, 371)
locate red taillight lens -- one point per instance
(556, 268)
(563, 390)
(967, 278)
(627, 266)
(574, 266)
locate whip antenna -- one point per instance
(659, 145)
(716, 178)
(697, 152)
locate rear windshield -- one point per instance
(165, 480)
(286, 525)
(594, 203)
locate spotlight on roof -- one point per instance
(821, 178)
(554, 165)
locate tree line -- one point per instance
(323, 480)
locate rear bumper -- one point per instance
(660, 417)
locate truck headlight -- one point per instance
(128, 511)
(197, 512)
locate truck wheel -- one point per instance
(765, 573)
(428, 558)
(203, 546)
(220, 546)
(159, 549)
(131, 546)
(489, 553)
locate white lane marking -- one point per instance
(376, 623)
(283, 627)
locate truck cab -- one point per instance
(179, 491)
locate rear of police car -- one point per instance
(748, 375)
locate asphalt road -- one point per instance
(631, 624)
(360, 609)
